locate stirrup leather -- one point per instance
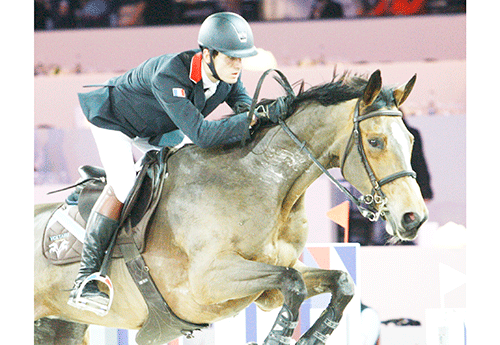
(83, 303)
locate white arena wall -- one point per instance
(402, 38)
(397, 281)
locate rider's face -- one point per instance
(228, 68)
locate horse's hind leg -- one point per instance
(341, 286)
(59, 332)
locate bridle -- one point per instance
(371, 206)
(377, 196)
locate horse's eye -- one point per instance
(376, 143)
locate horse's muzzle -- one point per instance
(410, 223)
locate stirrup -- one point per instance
(83, 303)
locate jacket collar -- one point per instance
(195, 71)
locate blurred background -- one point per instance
(72, 14)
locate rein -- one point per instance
(366, 203)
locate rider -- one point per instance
(155, 105)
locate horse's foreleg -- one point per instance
(341, 286)
(294, 294)
(234, 276)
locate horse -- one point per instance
(230, 224)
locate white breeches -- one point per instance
(115, 151)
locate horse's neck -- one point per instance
(324, 130)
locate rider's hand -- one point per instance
(273, 111)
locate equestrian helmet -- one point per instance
(228, 33)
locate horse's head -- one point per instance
(377, 158)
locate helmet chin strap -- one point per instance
(212, 67)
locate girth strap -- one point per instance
(161, 325)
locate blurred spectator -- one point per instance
(419, 164)
(63, 13)
(159, 12)
(42, 14)
(393, 7)
(248, 9)
(326, 9)
(234, 6)
(95, 13)
(192, 11)
(445, 6)
(131, 12)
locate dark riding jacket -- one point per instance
(161, 96)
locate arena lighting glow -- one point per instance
(263, 61)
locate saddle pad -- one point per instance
(60, 246)
(65, 231)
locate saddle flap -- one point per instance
(88, 197)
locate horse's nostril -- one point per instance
(411, 222)
(409, 218)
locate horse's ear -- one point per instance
(372, 88)
(402, 92)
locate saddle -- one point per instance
(65, 231)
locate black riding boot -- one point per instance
(100, 230)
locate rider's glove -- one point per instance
(273, 111)
(241, 107)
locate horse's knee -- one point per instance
(344, 292)
(293, 287)
(346, 285)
